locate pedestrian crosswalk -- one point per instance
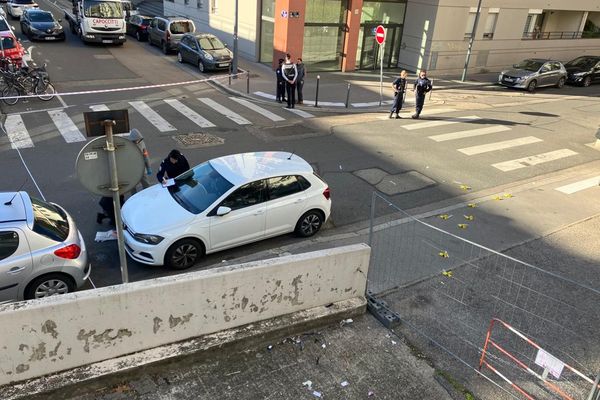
(162, 115)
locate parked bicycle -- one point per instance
(26, 81)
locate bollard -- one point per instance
(348, 96)
(597, 138)
(317, 94)
(230, 71)
(248, 81)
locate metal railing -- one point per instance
(560, 35)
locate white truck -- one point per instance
(97, 21)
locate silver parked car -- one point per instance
(41, 251)
(533, 73)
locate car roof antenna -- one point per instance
(9, 203)
(291, 154)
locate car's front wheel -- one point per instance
(138, 36)
(532, 86)
(309, 223)
(49, 285)
(587, 81)
(560, 83)
(201, 66)
(184, 253)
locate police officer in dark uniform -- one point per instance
(174, 165)
(399, 86)
(421, 87)
(280, 93)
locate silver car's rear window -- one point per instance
(179, 27)
(49, 221)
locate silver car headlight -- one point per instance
(148, 239)
(208, 56)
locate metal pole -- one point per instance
(235, 42)
(114, 183)
(230, 72)
(348, 96)
(381, 48)
(317, 94)
(373, 197)
(248, 82)
(464, 74)
(593, 394)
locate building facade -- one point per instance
(338, 35)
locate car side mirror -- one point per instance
(222, 210)
(225, 45)
(12, 27)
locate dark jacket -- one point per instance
(172, 170)
(422, 86)
(400, 85)
(301, 71)
(279, 74)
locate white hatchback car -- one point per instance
(15, 7)
(225, 202)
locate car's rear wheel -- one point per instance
(49, 285)
(138, 36)
(532, 86)
(201, 66)
(179, 57)
(309, 223)
(560, 83)
(587, 81)
(184, 253)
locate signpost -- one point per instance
(380, 38)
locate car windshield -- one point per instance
(181, 27)
(582, 62)
(198, 188)
(7, 43)
(210, 43)
(41, 17)
(22, 1)
(4, 25)
(146, 21)
(529, 65)
(103, 9)
(49, 221)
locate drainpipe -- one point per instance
(464, 74)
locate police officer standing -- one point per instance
(421, 87)
(290, 74)
(300, 67)
(399, 86)
(280, 93)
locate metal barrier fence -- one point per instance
(447, 290)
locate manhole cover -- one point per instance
(403, 183)
(192, 140)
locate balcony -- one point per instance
(560, 35)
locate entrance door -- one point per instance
(369, 50)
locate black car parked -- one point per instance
(583, 70)
(205, 51)
(38, 24)
(137, 26)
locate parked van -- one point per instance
(167, 32)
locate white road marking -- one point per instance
(507, 144)
(581, 185)
(469, 133)
(99, 107)
(152, 116)
(431, 124)
(238, 119)
(301, 113)
(406, 115)
(191, 114)
(267, 95)
(17, 132)
(258, 109)
(533, 160)
(66, 127)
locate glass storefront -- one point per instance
(267, 31)
(324, 28)
(390, 14)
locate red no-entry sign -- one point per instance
(380, 34)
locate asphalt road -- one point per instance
(355, 154)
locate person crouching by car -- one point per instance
(175, 164)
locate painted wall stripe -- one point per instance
(152, 116)
(191, 114)
(507, 144)
(235, 117)
(66, 127)
(579, 186)
(447, 121)
(469, 133)
(17, 132)
(262, 111)
(533, 160)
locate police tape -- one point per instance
(125, 89)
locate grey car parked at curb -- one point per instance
(533, 73)
(166, 32)
(205, 51)
(41, 251)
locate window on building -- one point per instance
(470, 24)
(490, 24)
(533, 24)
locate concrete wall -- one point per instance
(220, 21)
(63, 332)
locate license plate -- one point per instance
(107, 41)
(49, 38)
(508, 79)
(224, 65)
